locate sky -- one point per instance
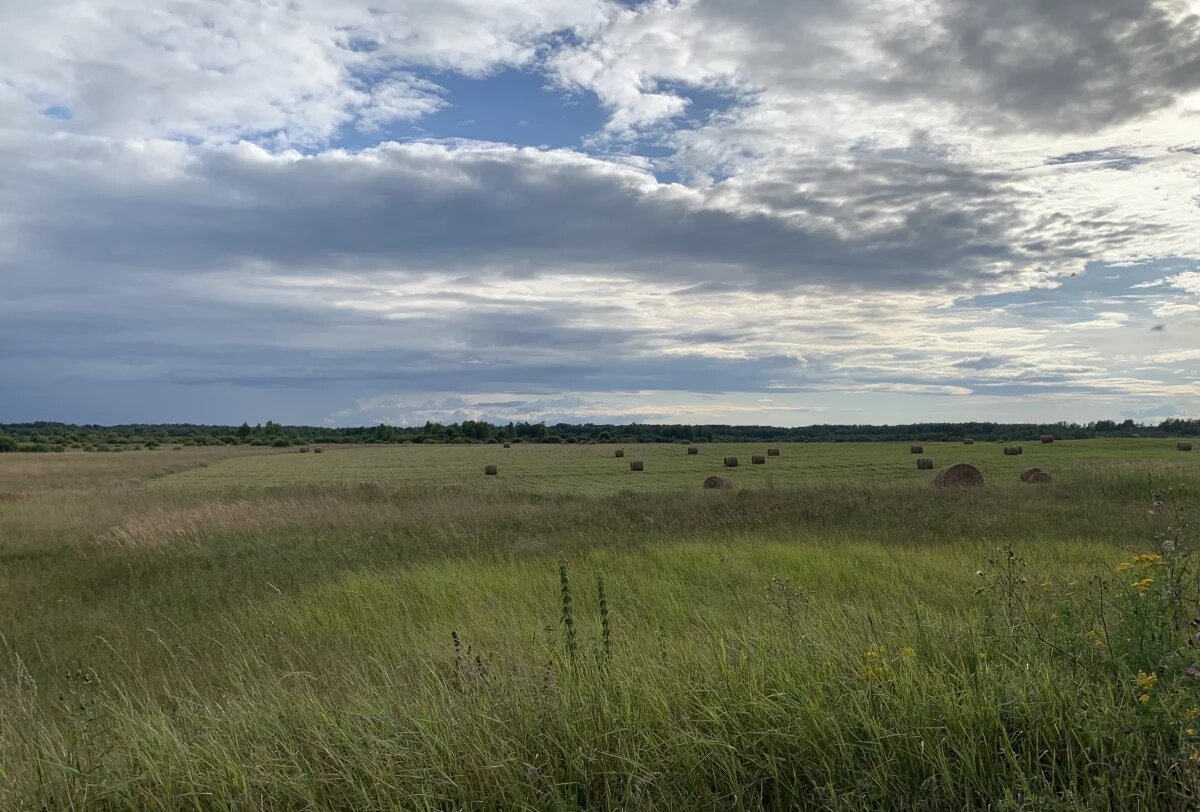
(785, 212)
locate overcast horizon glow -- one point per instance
(777, 212)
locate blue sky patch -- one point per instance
(512, 106)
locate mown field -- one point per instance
(388, 628)
(594, 469)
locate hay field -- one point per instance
(389, 628)
(593, 469)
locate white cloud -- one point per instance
(849, 183)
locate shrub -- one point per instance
(7, 444)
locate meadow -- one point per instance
(388, 628)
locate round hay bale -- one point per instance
(1184, 446)
(1012, 450)
(635, 465)
(731, 462)
(303, 448)
(772, 452)
(758, 459)
(491, 470)
(1047, 438)
(620, 452)
(1029, 472)
(1019, 450)
(916, 449)
(968, 441)
(508, 445)
(693, 450)
(715, 481)
(318, 450)
(959, 475)
(1041, 478)
(924, 464)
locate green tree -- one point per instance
(243, 432)
(7, 443)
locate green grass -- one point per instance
(594, 468)
(276, 631)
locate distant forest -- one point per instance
(51, 437)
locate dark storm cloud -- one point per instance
(875, 220)
(1054, 65)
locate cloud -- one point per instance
(299, 70)
(880, 210)
(1071, 65)
(874, 221)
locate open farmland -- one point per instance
(388, 628)
(593, 469)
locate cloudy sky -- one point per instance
(748, 211)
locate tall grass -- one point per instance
(368, 647)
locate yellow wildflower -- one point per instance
(1124, 565)
(1195, 756)
(1146, 683)
(1191, 731)
(908, 651)
(1142, 586)
(1144, 698)
(1190, 714)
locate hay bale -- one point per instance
(1012, 450)
(731, 462)
(635, 465)
(968, 441)
(318, 450)
(620, 452)
(1041, 478)
(1047, 438)
(508, 445)
(1184, 446)
(303, 448)
(758, 459)
(693, 450)
(772, 452)
(959, 475)
(491, 470)
(916, 449)
(924, 464)
(1028, 472)
(717, 482)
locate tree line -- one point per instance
(48, 436)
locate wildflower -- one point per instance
(983, 655)
(1142, 586)
(1195, 756)
(908, 651)
(1190, 714)
(1168, 546)
(1146, 558)
(1146, 683)
(1191, 731)
(1124, 565)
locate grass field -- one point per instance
(591, 469)
(388, 628)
